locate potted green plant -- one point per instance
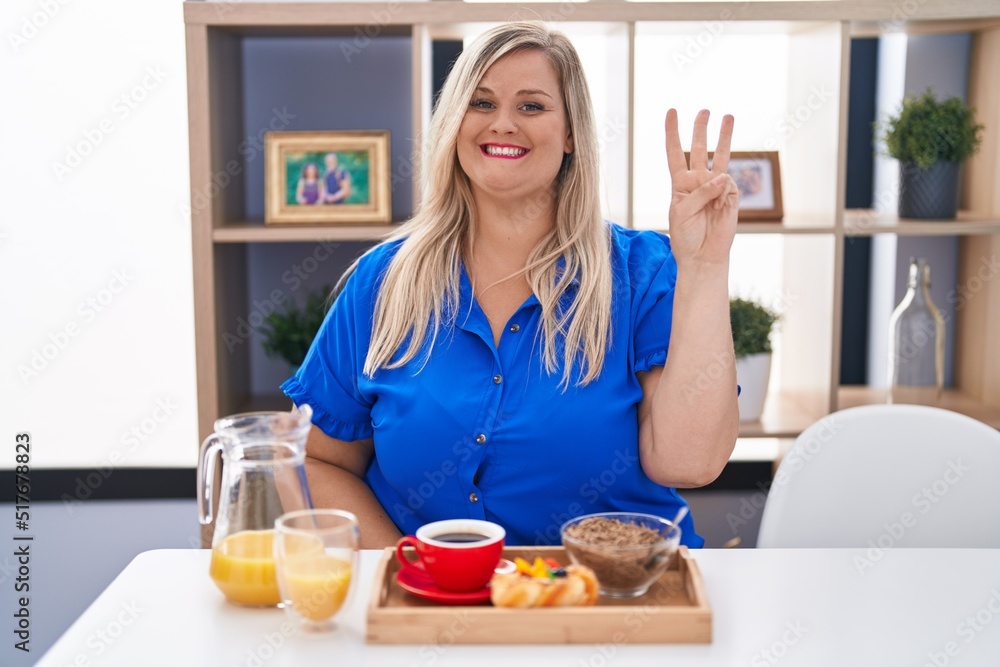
(289, 333)
(752, 324)
(930, 138)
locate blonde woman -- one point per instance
(505, 355)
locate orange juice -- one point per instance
(316, 585)
(243, 568)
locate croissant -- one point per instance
(578, 588)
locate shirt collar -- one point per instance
(470, 315)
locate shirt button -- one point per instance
(481, 438)
(515, 327)
(473, 498)
(497, 379)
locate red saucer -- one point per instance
(419, 583)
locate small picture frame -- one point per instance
(758, 176)
(327, 177)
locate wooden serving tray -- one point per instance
(675, 610)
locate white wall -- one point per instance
(95, 256)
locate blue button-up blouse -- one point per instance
(482, 431)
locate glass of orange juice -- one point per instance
(316, 561)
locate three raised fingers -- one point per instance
(699, 144)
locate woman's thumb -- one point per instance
(701, 196)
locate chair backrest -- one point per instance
(887, 476)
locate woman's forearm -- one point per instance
(695, 417)
(332, 486)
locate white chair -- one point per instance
(887, 476)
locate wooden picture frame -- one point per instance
(327, 177)
(758, 175)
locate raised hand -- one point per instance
(704, 202)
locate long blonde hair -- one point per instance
(420, 289)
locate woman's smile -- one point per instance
(505, 151)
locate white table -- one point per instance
(782, 606)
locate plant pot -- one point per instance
(753, 372)
(928, 193)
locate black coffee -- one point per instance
(461, 537)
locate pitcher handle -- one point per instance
(207, 457)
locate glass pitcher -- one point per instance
(263, 477)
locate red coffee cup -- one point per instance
(459, 555)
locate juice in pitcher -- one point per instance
(243, 568)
